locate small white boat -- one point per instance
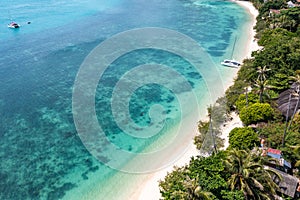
(13, 25)
(231, 63)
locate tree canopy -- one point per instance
(243, 138)
(273, 71)
(257, 112)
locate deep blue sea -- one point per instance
(43, 155)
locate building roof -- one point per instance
(274, 151)
(274, 11)
(288, 184)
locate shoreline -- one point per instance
(150, 190)
(252, 42)
(145, 186)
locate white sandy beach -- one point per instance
(252, 43)
(150, 190)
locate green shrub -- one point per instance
(207, 173)
(257, 112)
(243, 138)
(233, 93)
(233, 195)
(241, 102)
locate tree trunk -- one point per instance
(295, 111)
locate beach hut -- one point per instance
(280, 164)
(290, 4)
(273, 12)
(288, 185)
(288, 101)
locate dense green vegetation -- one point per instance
(243, 138)
(266, 94)
(230, 175)
(246, 100)
(217, 114)
(257, 112)
(271, 72)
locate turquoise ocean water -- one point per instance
(42, 156)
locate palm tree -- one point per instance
(261, 83)
(296, 89)
(297, 151)
(191, 190)
(296, 94)
(247, 89)
(286, 118)
(287, 22)
(284, 21)
(194, 190)
(296, 78)
(203, 194)
(262, 86)
(274, 21)
(292, 24)
(248, 174)
(262, 73)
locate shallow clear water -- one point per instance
(42, 156)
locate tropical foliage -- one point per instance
(190, 181)
(273, 74)
(279, 36)
(210, 130)
(243, 138)
(257, 112)
(244, 99)
(179, 185)
(248, 174)
(230, 175)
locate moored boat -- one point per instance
(13, 25)
(231, 63)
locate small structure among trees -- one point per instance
(288, 185)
